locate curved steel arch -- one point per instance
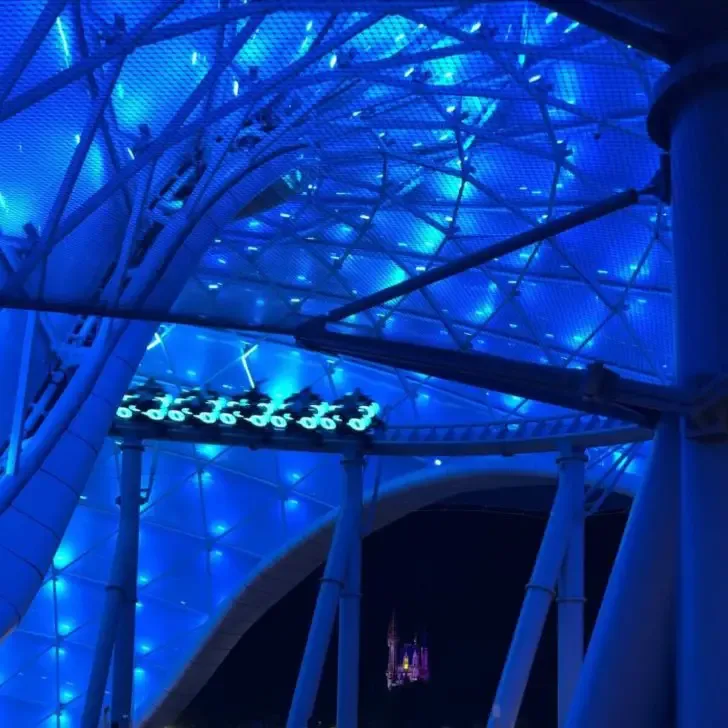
(37, 502)
(287, 567)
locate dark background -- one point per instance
(456, 575)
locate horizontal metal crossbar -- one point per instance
(466, 262)
(496, 438)
(596, 391)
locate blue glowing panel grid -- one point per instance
(430, 132)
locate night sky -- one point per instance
(455, 575)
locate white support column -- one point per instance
(347, 705)
(627, 680)
(570, 598)
(536, 603)
(116, 632)
(689, 118)
(348, 526)
(122, 703)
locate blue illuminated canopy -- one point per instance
(270, 162)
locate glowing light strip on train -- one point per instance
(266, 413)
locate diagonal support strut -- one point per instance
(510, 245)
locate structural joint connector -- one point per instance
(709, 424)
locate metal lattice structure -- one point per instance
(252, 167)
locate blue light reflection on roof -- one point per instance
(462, 170)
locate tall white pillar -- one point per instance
(690, 119)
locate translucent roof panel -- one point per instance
(389, 138)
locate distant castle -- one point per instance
(406, 664)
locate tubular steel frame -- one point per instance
(597, 391)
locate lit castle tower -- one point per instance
(408, 664)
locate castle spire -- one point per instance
(392, 632)
(392, 646)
